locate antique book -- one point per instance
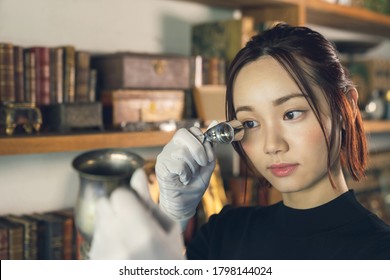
(50, 236)
(42, 74)
(92, 83)
(7, 81)
(56, 76)
(15, 238)
(30, 72)
(19, 73)
(70, 234)
(142, 71)
(69, 64)
(3, 242)
(29, 236)
(82, 76)
(221, 39)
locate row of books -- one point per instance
(39, 236)
(45, 75)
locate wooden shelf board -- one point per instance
(319, 12)
(36, 144)
(377, 126)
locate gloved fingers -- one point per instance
(169, 169)
(103, 213)
(210, 151)
(188, 139)
(139, 183)
(212, 124)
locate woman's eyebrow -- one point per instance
(245, 108)
(276, 102)
(286, 98)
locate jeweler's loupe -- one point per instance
(224, 132)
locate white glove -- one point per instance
(183, 171)
(129, 225)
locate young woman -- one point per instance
(302, 129)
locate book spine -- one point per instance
(82, 76)
(19, 74)
(30, 77)
(92, 85)
(56, 76)
(3, 243)
(30, 236)
(42, 77)
(7, 82)
(69, 62)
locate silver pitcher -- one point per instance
(100, 172)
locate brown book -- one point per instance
(82, 76)
(30, 83)
(29, 236)
(42, 77)
(69, 64)
(56, 75)
(3, 242)
(19, 73)
(7, 81)
(70, 234)
(15, 238)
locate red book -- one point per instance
(42, 74)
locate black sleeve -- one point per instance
(200, 248)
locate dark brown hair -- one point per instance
(311, 61)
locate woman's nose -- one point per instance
(274, 141)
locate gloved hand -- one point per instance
(129, 225)
(183, 171)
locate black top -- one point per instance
(339, 229)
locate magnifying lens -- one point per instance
(224, 132)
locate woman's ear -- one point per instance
(352, 97)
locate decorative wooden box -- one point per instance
(73, 116)
(129, 106)
(143, 71)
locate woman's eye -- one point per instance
(250, 124)
(292, 115)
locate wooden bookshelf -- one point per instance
(302, 12)
(37, 144)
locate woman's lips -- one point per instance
(283, 169)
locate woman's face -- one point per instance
(283, 138)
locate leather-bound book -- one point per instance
(3, 242)
(82, 76)
(50, 236)
(42, 65)
(19, 73)
(29, 236)
(30, 72)
(70, 234)
(7, 82)
(56, 76)
(15, 238)
(69, 62)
